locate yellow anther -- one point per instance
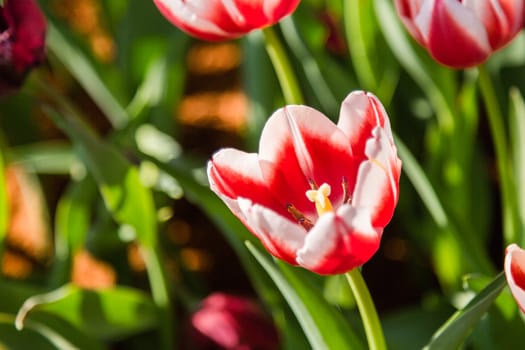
(320, 198)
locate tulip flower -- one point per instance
(317, 195)
(515, 273)
(221, 20)
(22, 41)
(462, 34)
(230, 322)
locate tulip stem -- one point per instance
(367, 309)
(283, 68)
(497, 128)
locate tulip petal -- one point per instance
(206, 20)
(339, 241)
(360, 113)
(223, 19)
(515, 273)
(234, 174)
(281, 237)
(494, 19)
(408, 10)
(378, 178)
(452, 33)
(299, 144)
(29, 31)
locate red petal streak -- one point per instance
(299, 143)
(340, 242)
(515, 273)
(279, 235)
(235, 174)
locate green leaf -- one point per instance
(454, 332)
(323, 326)
(72, 223)
(422, 185)
(55, 157)
(124, 195)
(45, 332)
(81, 68)
(109, 314)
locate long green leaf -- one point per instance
(81, 68)
(54, 157)
(119, 183)
(322, 325)
(72, 223)
(105, 314)
(422, 185)
(517, 132)
(454, 332)
(44, 332)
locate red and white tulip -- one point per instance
(224, 19)
(317, 194)
(515, 273)
(462, 33)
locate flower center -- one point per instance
(320, 198)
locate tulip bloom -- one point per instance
(317, 194)
(461, 33)
(230, 322)
(220, 19)
(515, 273)
(22, 41)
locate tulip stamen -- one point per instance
(320, 198)
(347, 199)
(299, 217)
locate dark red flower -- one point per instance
(22, 41)
(230, 322)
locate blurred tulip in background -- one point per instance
(22, 41)
(462, 34)
(221, 20)
(230, 322)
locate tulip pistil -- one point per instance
(320, 198)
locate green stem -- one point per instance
(497, 128)
(367, 309)
(283, 69)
